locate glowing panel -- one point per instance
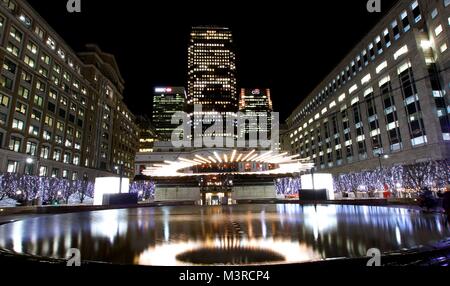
(321, 181)
(109, 185)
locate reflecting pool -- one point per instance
(234, 235)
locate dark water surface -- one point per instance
(244, 234)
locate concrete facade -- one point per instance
(387, 102)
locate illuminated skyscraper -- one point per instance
(212, 69)
(255, 100)
(211, 80)
(254, 103)
(167, 101)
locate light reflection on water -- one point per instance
(156, 236)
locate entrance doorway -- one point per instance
(216, 198)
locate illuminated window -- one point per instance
(416, 11)
(15, 144)
(17, 124)
(438, 30)
(384, 80)
(443, 48)
(368, 91)
(403, 67)
(16, 34)
(395, 30)
(51, 43)
(33, 130)
(21, 108)
(9, 4)
(6, 82)
(378, 44)
(4, 100)
(39, 32)
(57, 155)
(43, 71)
(48, 121)
(405, 21)
(434, 13)
(29, 61)
(366, 79)
(381, 67)
(387, 38)
(38, 100)
(13, 49)
(47, 135)
(61, 54)
(354, 100)
(32, 47)
(403, 50)
(45, 58)
(13, 166)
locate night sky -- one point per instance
(288, 46)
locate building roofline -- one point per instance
(349, 55)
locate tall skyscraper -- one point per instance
(212, 69)
(211, 79)
(255, 100)
(254, 103)
(167, 101)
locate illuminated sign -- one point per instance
(256, 92)
(163, 89)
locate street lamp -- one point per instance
(30, 161)
(120, 168)
(381, 156)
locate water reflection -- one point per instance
(283, 233)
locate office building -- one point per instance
(387, 102)
(255, 103)
(147, 134)
(61, 113)
(166, 102)
(212, 73)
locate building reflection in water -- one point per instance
(156, 236)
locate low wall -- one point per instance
(193, 194)
(254, 192)
(163, 194)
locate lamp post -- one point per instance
(30, 161)
(120, 168)
(380, 156)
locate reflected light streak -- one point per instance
(165, 254)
